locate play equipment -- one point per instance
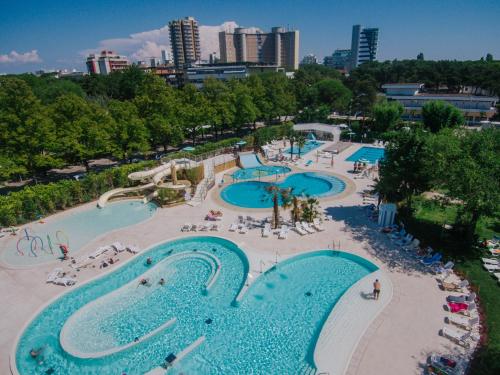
(248, 160)
(154, 179)
(36, 244)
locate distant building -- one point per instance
(196, 75)
(164, 57)
(105, 63)
(309, 60)
(340, 59)
(213, 58)
(185, 41)
(411, 95)
(279, 47)
(364, 45)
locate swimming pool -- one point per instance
(272, 330)
(261, 171)
(372, 154)
(253, 194)
(74, 229)
(308, 146)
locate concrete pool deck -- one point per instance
(398, 341)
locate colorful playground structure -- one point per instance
(29, 244)
(153, 180)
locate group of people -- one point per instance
(359, 166)
(145, 281)
(109, 262)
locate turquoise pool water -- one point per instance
(261, 171)
(253, 194)
(272, 330)
(372, 154)
(74, 229)
(309, 146)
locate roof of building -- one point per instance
(326, 128)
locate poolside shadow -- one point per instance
(378, 244)
(365, 295)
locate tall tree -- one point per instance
(386, 116)
(220, 108)
(437, 115)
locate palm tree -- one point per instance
(296, 211)
(301, 141)
(291, 136)
(276, 193)
(310, 209)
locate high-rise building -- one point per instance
(363, 45)
(279, 47)
(164, 57)
(339, 59)
(185, 41)
(105, 63)
(309, 60)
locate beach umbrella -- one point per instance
(188, 149)
(241, 143)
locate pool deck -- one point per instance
(403, 326)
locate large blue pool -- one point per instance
(272, 330)
(308, 147)
(39, 243)
(254, 194)
(372, 154)
(261, 171)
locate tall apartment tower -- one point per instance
(279, 47)
(363, 45)
(185, 41)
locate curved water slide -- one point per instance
(249, 160)
(155, 177)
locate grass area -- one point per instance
(427, 224)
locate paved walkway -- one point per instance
(397, 342)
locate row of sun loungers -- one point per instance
(202, 227)
(304, 228)
(115, 248)
(58, 277)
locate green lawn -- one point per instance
(427, 225)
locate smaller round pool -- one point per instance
(257, 172)
(254, 194)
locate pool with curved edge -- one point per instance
(272, 330)
(253, 194)
(262, 171)
(39, 243)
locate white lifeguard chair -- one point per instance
(387, 214)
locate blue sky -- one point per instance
(57, 34)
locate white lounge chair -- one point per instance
(458, 336)
(186, 227)
(412, 246)
(451, 285)
(317, 225)
(202, 227)
(266, 231)
(298, 228)
(491, 267)
(193, 228)
(490, 261)
(283, 234)
(55, 274)
(64, 281)
(214, 227)
(463, 321)
(118, 246)
(463, 298)
(446, 269)
(233, 227)
(307, 228)
(243, 229)
(134, 249)
(328, 217)
(100, 250)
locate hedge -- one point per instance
(34, 202)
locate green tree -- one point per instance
(310, 209)
(278, 195)
(301, 141)
(194, 110)
(331, 92)
(220, 108)
(386, 116)
(246, 111)
(279, 95)
(437, 115)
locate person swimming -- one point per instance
(149, 261)
(144, 282)
(162, 281)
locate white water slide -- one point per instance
(249, 160)
(154, 177)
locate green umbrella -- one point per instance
(241, 143)
(188, 149)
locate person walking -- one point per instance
(376, 289)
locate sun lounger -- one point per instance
(100, 250)
(328, 217)
(266, 231)
(193, 228)
(398, 235)
(118, 246)
(233, 227)
(491, 267)
(214, 227)
(463, 298)
(186, 227)
(446, 365)
(463, 321)
(298, 228)
(494, 251)
(307, 228)
(460, 337)
(429, 261)
(283, 234)
(444, 269)
(243, 229)
(202, 227)
(414, 245)
(449, 285)
(55, 274)
(317, 225)
(64, 281)
(490, 261)
(462, 308)
(405, 241)
(134, 249)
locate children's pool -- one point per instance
(273, 330)
(370, 154)
(261, 171)
(40, 242)
(254, 194)
(308, 146)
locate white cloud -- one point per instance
(21, 58)
(147, 44)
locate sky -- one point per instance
(56, 34)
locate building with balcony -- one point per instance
(412, 97)
(364, 45)
(105, 63)
(280, 47)
(185, 42)
(339, 59)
